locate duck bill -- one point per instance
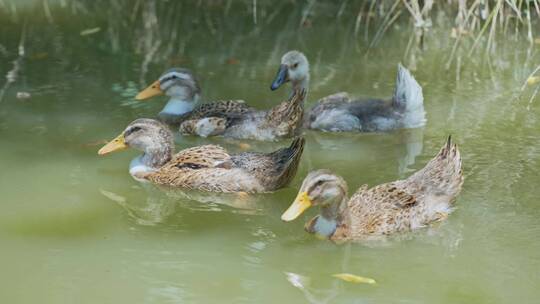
(152, 90)
(117, 144)
(300, 204)
(281, 77)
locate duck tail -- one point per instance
(443, 175)
(409, 99)
(287, 161)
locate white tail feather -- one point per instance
(408, 96)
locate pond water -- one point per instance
(75, 227)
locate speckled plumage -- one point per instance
(400, 206)
(208, 167)
(230, 118)
(212, 168)
(282, 121)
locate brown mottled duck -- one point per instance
(207, 167)
(400, 206)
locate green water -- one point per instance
(76, 228)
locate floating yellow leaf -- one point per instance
(347, 277)
(533, 80)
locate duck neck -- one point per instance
(153, 158)
(330, 217)
(158, 156)
(300, 85)
(177, 106)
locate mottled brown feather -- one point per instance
(423, 198)
(240, 121)
(212, 168)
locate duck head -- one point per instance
(149, 136)
(324, 189)
(294, 67)
(182, 88)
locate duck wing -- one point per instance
(276, 169)
(339, 112)
(207, 156)
(442, 176)
(214, 118)
(381, 210)
(221, 108)
(206, 168)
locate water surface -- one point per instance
(75, 227)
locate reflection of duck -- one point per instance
(208, 167)
(402, 145)
(413, 140)
(155, 209)
(398, 206)
(198, 200)
(157, 205)
(231, 118)
(339, 112)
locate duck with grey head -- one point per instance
(339, 112)
(229, 118)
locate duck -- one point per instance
(208, 168)
(228, 118)
(341, 113)
(425, 197)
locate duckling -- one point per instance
(207, 168)
(230, 118)
(339, 112)
(404, 205)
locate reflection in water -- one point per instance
(317, 295)
(162, 202)
(156, 209)
(346, 145)
(413, 141)
(313, 295)
(243, 203)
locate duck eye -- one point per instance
(295, 65)
(318, 183)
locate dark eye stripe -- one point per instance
(173, 76)
(131, 130)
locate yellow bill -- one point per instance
(152, 90)
(347, 277)
(117, 144)
(300, 204)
